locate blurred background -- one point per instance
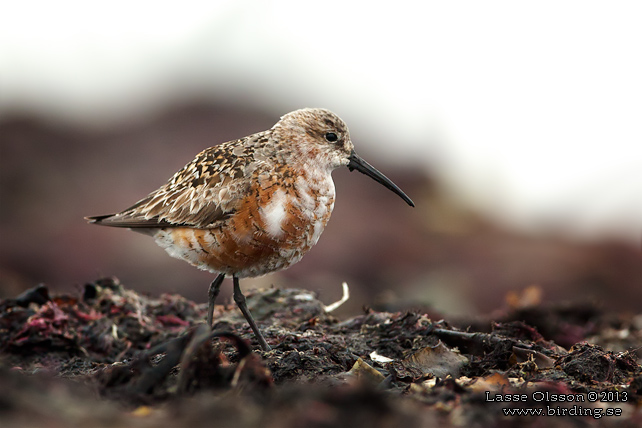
(515, 127)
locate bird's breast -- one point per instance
(273, 228)
(315, 198)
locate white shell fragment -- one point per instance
(335, 305)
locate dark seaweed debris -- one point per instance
(111, 356)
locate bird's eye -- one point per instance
(331, 137)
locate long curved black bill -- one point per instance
(356, 162)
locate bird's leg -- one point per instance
(212, 293)
(239, 298)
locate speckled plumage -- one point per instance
(254, 205)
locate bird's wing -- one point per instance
(208, 189)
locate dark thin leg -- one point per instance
(239, 298)
(212, 293)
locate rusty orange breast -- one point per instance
(268, 232)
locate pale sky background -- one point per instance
(528, 111)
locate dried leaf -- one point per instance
(439, 361)
(363, 371)
(492, 382)
(522, 355)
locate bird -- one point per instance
(251, 206)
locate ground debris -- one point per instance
(110, 356)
